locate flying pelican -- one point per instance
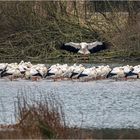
(83, 47)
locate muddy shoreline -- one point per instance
(74, 59)
(11, 131)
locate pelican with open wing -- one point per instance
(83, 47)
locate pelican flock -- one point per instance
(36, 72)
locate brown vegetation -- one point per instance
(41, 119)
(37, 119)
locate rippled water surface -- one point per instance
(100, 104)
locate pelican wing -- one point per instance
(75, 45)
(96, 47)
(94, 44)
(71, 46)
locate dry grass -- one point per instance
(41, 119)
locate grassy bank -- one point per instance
(36, 30)
(102, 57)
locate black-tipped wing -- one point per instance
(96, 47)
(72, 47)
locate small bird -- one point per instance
(83, 47)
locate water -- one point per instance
(95, 104)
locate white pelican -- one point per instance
(136, 71)
(3, 66)
(88, 74)
(77, 70)
(102, 71)
(117, 72)
(11, 73)
(83, 47)
(32, 74)
(55, 72)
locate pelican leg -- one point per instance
(125, 78)
(22, 76)
(10, 78)
(15, 77)
(35, 78)
(116, 79)
(62, 78)
(86, 58)
(94, 78)
(138, 76)
(54, 79)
